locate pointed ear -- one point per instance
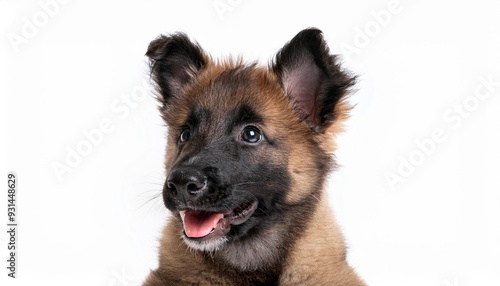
(312, 79)
(174, 60)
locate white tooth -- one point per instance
(183, 214)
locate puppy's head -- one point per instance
(248, 146)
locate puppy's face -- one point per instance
(227, 156)
(246, 143)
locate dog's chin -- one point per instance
(210, 245)
(209, 231)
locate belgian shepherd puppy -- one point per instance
(249, 149)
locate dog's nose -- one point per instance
(186, 181)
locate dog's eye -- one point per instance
(251, 134)
(186, 133)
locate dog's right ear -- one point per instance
(174, 60)
(313, 79)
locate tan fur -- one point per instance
(318, 257)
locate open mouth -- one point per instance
(200, 224)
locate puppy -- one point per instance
(249, 149)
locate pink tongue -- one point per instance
(199, 224)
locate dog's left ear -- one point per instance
(312, 78)
(174, 62)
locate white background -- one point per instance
(65, 68)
